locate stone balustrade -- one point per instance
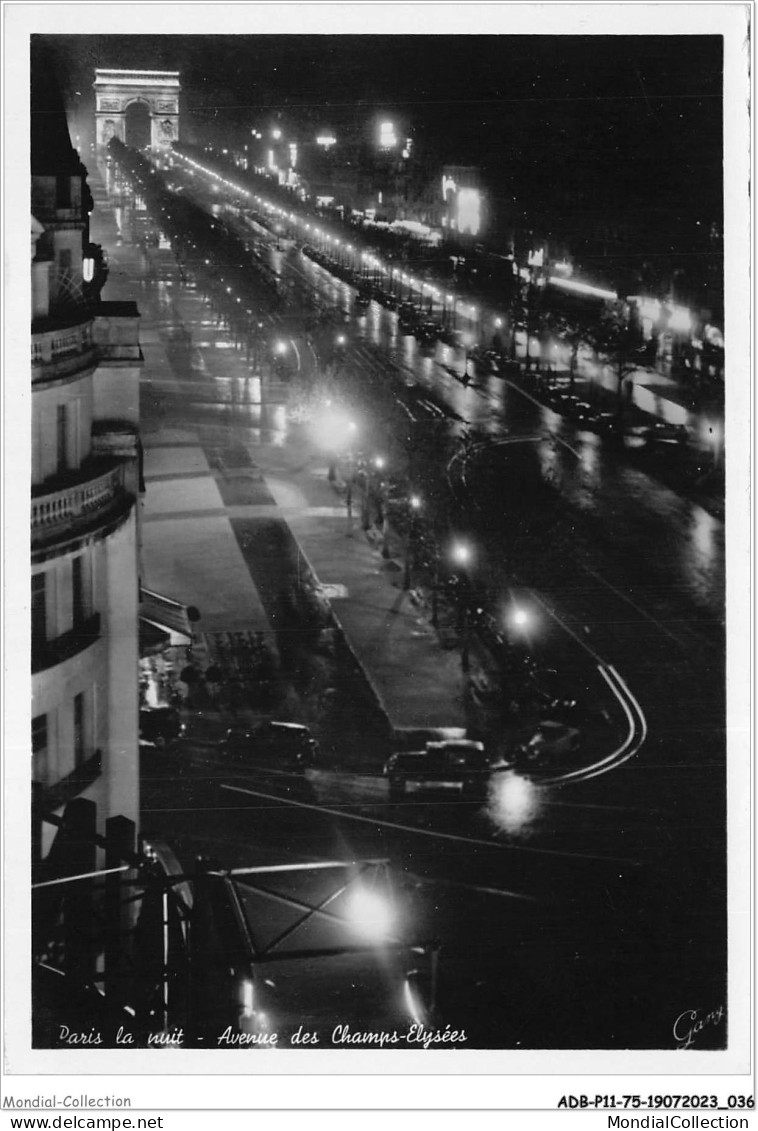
(58, 350)
(65, 506)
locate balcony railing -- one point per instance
(52, 343)
(48, 653)
(81, 500)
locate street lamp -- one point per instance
(410, 549)
(377, 464)
(519, 618)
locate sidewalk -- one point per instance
(418, 683)
(190, 551)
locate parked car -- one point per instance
(605, 424)
(160, 726)
(272, 744)
(451, 337)
(581, 412)
(453, 761)
(509, 367)
(664, 433)
(427, 331)
(550, 740)
(409, 316)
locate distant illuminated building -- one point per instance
(387, 135)
(461, 192)
(469, 211)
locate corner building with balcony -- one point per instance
(86, 480)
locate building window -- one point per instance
(39, 610)
(39, 748)
(62, 191)
(39, 733)
(61, 430)
(77, 579)
(79, 742)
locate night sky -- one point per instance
(630, 121)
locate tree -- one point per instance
(618, 337)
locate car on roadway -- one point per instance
(427, 332)
(605, 424)
(509, 367)
(451, 337)
(582, 413)
(664, 433)
(409, 316)
(272, 745)
(450, 762)
(550, 740)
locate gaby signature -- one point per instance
(691, 1022)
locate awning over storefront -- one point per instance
(152, 639)
(164, 615)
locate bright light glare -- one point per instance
(469, 211)
(412, 1005)
(582, 288)
(333, 430)
(461, 553)
(387, 138)
(247, 998)
(370, 914)
(280, 347)
(520, 618)
(680, 319)
(514, 801)
(650, 308)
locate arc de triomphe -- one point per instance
(116, 90)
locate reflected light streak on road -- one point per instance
(631, 744)
(703, 551)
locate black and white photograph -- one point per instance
(387, 441)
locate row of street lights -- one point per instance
(337, 433)
(364, 263)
